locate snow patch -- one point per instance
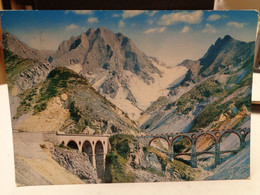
(146, 94)
(121, 102)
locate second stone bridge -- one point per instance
(96, 146)
(193, 137)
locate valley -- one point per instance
(99, 83)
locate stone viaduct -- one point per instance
(96, 146)
(193, 138)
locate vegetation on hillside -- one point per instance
(15, 65)
(85, 105)
(198, 94)
(116, 160)
(121, 167)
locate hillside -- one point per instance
(117, 69)
(66, 102)
(14, 45)
(215, 93)
(131, 161)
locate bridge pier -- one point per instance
(242, 142)
(171, 152)
(193, 156)
(217, 153)
(92, 159)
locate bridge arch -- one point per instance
(159, 138)
(175, 139)
(205, 152)
(73, 144)
(206, 136)
(230, 132)
(100, 164)
(88, 149)
(230, 137)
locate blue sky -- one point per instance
(171, 36)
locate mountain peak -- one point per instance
(227, 37)
(220, 41)
(90, 31)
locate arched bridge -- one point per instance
(96, 146)
(193, 137)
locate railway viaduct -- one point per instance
(97, 146)
(193, 137)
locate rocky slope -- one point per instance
(34, 99)
(14, 45)
(24, 73)
(25, 67)
(215, 93)
(66, 101)
(117, 68)
(131, 161)
(77, 163)
(236, 167)
(34, 164)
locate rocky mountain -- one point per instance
(66, 102)
(117, 68)
(14, 45)
(215, 93)
(25, 67)
(24, 73)
(97, 82)
(225, 52)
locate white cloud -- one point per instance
(93, 20)
(185, 29)
(83, 12)
(131, 13)
(236, 24)
(209, 29)
(194, 17)
(155, 30)
(214, 17)
(71, 27)
(115, 15)
(152, 13)
(121, 24)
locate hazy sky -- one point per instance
(171, 36)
